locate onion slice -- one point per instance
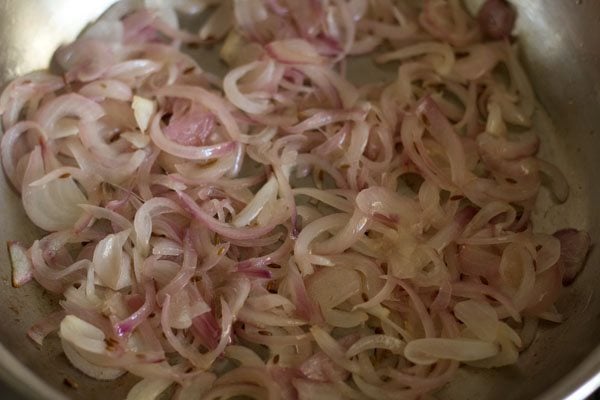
(282, 230)
(21, 266)
(429, 351)
(187, 152)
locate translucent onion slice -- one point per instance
(67, 105)
(188, 152)
(143, 110)
(331, 286)
(266, 194)
(107, 89)
(53, 205)
(197, 387)
(479, 317)
(148, 389)
(90, 369)
(43, 328)
(294, 51)
(429, 351)
(240, 100)
(84, 345)
(111, 264)
(371, 342)
(344, 319)
(309, 390)
(143, 219)
(333, 349)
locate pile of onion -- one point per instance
(280, 232)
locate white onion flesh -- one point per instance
(21, 266)
(111, 265)
(479, 317)
(88, 368)
(143, 110)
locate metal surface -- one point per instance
(561, 50)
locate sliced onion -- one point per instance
(107, 89)
(88, 342)
(105, 30)
(508, 342)
(244, 355)
(197, 387)
(240, 100)
(68, 105)
(496, 18)
(549, 250)
(129, 324)
(131, 69)
(326, 117)
(429, 351)
(294, 51)
(558, 182)
(8, 145)
(137, 139)
(479, 317)
(248, 15)
(183, 202)
(333, 349)
(190, 126)
(143, 110)
(320, 367)
(305, 306)
(112, 265)
(187, 152)
(237, 294)
(237, 51)
(222, 228)
(236, 390)
(149, 388)
(23, 90)
(142, 222)
(332, 286)
(443, 65)
(54, 205)
(265, 195)
(311, 390)
(480, 61)
(105, 213)
(339, 90)
(378, 201)
(21, 266)
(93, 166)
(445, 134)
(260, 318)
(43, 328)
(302, 247)
(390, 343)
(218, 24)
(88, 368)
(178, 281)
(211, 101)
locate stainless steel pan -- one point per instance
(561, 50)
